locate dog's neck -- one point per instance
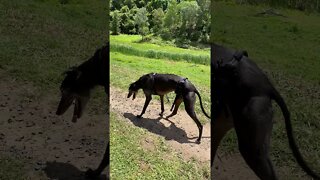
(94, 71)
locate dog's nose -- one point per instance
(129, 94)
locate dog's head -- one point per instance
(72, 91)
(143, 81)
(133, 90)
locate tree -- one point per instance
(171, 21)
(204, 19)
(157, 18)
(141, 20)
(189, 12)
(115, 23)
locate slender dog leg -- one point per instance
(177, 101)
(162, 105)
(219, 128)
(104, 163)
(253, 129)
(189, 101)
(146, 103)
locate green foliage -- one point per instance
(141, 20)
(187, 22)
(157, 18)
(115, 26)
(183, 21)
(170, 21)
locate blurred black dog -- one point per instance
(242, 96)
(76, 87)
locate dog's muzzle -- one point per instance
(132, 93)
(66, 101)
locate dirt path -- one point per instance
(52, 146)
(180, 130)
(180, 133)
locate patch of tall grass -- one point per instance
(151, 53)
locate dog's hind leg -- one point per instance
(253, 128)
(189, 101)
(162, 105)
(146, 103)
(176, 103)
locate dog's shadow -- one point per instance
(66, 171)
(155, 126)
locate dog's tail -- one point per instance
(277, 97)
(204, 112)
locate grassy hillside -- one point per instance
(287, 48)
(126, 67)
(131, 45)
(40, 40)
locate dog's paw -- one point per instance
(91, 174)
(198, 141)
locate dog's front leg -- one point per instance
(104, 163)
(162, 105)
(146, 103)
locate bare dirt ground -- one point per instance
(52, 146)
(180, 132)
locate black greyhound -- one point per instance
(76, 87)
(242, 96)
(161, 84)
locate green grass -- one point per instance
(288, 50)
(11, 169)
(129, 160)
(151, 53)
(41, 39)
(129, 44)
(134, 40)
(290, 45)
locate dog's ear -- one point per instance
(245, 53)
(73, 73)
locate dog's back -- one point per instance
(165, 83)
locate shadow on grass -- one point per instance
(155, 126)
(66, 171)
